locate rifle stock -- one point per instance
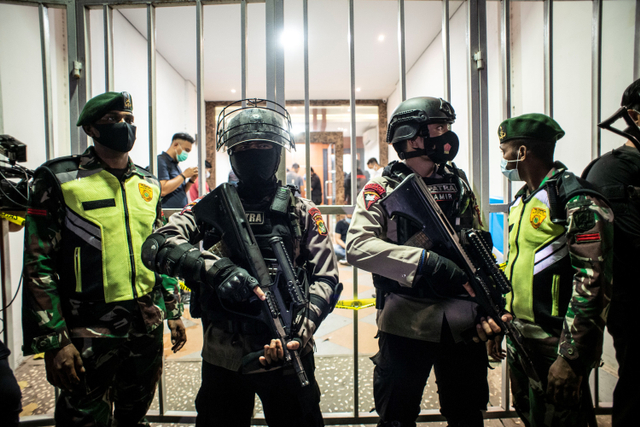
(223, 210)
(413, 200)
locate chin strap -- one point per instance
(410, 154)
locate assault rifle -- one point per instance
(413, 201)
(223, 210)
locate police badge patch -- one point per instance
(537, 216)
(317, 218)
(372, 192)
(145, 191)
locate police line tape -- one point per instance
(12, 218)
(356, 304)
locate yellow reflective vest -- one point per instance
(106, 222)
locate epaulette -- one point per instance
(563, 187)
(63, 164)
(144, 171)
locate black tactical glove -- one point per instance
(443, 276)
(232, 283)
(184, 260)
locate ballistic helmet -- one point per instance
(412, 115)
(254, 119)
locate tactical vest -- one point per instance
(454, 196)
(105, 225)
(266, 221)
(539, 266)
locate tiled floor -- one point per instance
(334, 372)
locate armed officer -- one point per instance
(89, 303)
(254, 136)
(418, 326)
(617, 175)
(559, 264)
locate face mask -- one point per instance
(347, 220)
(511, 174)
(444, 147)
(118, 137)
(255, 166)
(208, 174)
(182, 156)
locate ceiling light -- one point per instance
(233, 91)
(357, 89)
(290, 39)
(381, 38)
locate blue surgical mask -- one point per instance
(511, 174)
(182, 156)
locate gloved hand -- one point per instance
(443, 275)
(232, 283)
(183, 260)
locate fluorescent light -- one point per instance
(233, 91)
(381, 38)
(357, 89)
(290, 39)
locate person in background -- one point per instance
(361, 180)
(232, 179)
(374, 166)
(340, 237)
(293, 178)
(316, 188)
(560, 268)
(176, 183)
(617, 175)
(193, 191)
(88, 302)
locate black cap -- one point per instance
(631, 96)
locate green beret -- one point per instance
(100, 105)
(530, 126)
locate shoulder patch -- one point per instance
(190, 206)
(317, 218)
(145, 191)
(537, 216)
(372, 192)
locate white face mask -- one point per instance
(511, 174)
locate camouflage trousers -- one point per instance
(533, 407)
(121, 374)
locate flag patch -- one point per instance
(372, 192)
(38, 212)
(587, 237)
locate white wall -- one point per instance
(176, 97)
(21, 96)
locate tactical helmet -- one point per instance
(412, 115)
(631, 96)
(254, 120)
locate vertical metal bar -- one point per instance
(201, 107)
(401, 49)
(484, 107)
(243, 51)
(307, 134)
(596, 69)
(77, 53)
(548, 57)
(107, 14)
(279, 30)
(354, 189)
(86, 67)
(5, 267)
(271, 41)
(151, 78)
(636, 44)
(45, 48)
(446, 50)
(505, 45)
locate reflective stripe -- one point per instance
(542, 196)
(78, 270)
(551, 254)
(555, 257)
(90, 239)
(78, 221)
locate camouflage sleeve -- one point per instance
(590, 237)
(43, 323)
(171, 294)
(317, 251)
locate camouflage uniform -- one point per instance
(227, 396)
(561, 275)
(119, 338)
(418, 331)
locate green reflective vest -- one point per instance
(105, 225)
(539, 266)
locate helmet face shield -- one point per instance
(254, 119)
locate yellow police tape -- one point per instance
(356, 304)
(183, 286)
(12, 218)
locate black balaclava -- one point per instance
(256, 171)
(118, 137)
